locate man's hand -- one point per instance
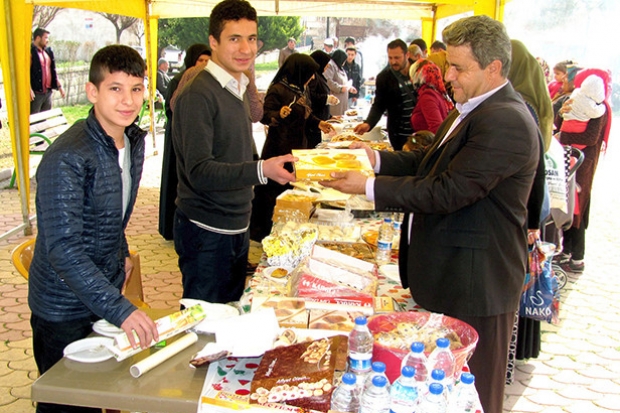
(362, 128)
(353, 90)
(326, 127)
(128, 271)
(369, 151)
(144, 327)
(350, 182)
(62, 92)
(31, 95)
(273, 168)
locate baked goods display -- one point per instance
(333, 319)
(287, 245)
(298, 375)
(290, 311)
(318, 164)
(406, 333)
(352, 249)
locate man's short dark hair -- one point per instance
(398, 44)
(229, 10)
(351, 48)
(115, 58)
(349, 40)
(486, 37)
(39, 32)
(438, 44)
(421, 44)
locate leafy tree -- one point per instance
(274, 31)
(183, 33)
(121, 23)
(138, 30)
(43, 15)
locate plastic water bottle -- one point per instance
(384, 242)
(465, 394)
(417, 359)
(360, 347)
(433, 401)
(439, 376)
(404, 394)
(346, 398)
(377, 398)
(377, 369)
(397, 220)
(442, 358)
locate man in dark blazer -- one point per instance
(43, 76)
(466, 244)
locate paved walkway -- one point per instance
(578, 370)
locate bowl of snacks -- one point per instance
(395, 332)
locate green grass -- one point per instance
(75, 112)
(267, 67)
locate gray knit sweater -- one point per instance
(212, 138)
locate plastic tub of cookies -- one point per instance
(395, 332)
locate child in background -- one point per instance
(419, 141)
(585, 103)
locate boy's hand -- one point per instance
(144, 327)
(273, 168)
(128, 271)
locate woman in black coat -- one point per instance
(286, 112)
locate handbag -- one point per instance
(540, 297)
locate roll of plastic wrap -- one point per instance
(162, 355)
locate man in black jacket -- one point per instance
(354, 74)
(43, 77)
(394, 93)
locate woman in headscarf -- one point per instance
(433, 103)
(286, 113)
(528, 80)
(337, 82)
(591, 142)
(318, 91)
(168, 189)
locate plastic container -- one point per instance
(417, 359)
(442, 358)
(439, 376)
(377, 369)
(397, 222)
(392, 357)
(346, 398)
(377, 398)
(404, 392)
(360, 347)
(384, 242)
(433, 401)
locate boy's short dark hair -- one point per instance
(438, 44)
(398, 44)
(229, 10)
(421, 44)
(351, 48)
(115, 58)
(39, 32)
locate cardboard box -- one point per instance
(318, 164)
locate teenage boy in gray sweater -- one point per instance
(212, 137)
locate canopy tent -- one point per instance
(15, 39)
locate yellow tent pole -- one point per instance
(491, 8)
(150, 25)
(428, 31)
(15, 63)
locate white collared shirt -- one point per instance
(227, 81)
(465, 108)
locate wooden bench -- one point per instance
(44, 128)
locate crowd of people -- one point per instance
(469, 123)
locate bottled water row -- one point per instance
(366, 388)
